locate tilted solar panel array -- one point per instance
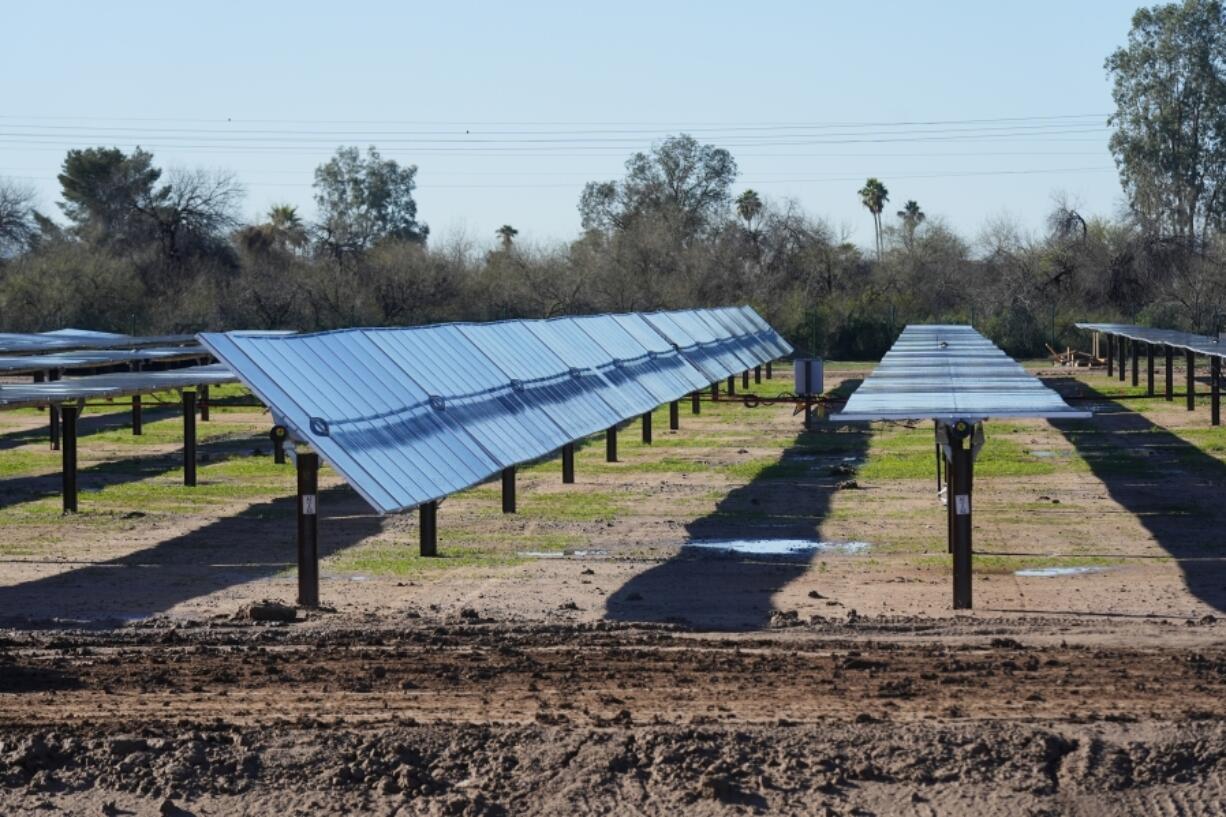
(411, 415)
(951, 373)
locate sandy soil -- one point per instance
(629, 675)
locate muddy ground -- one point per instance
(578, 658)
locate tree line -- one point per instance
(142, 249)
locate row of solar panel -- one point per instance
(409, 416)
(950, 373)
(1207, 345)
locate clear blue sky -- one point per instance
(268, 91)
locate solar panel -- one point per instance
(411, 415)
(67, 339)
(1200, 344)
(105, 386)
(87, 359)
(951, 373)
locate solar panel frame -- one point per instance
(1188, 341)
(411, 415)
(950, 373)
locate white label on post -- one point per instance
(962, 504)
(308, 504)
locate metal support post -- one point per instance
(674, 416)
(54, 413)
(769, 371)
(1170, 373)
(1149, 369)
(138, 419)
(1110, 355)
(1189, 360)
(715, 392)
(1215, 391)
(610, 444)
(568, 463)
(1136, 363)
(745, 380)
(204, 403)
(308, 529)
(961, 478)
(757, 374)
(189, 438)
(277, 436)
(68, 475)
(428, 513)
(731, 385)
(647, 427)
(508, 489)
(695, 403)
(1123, 361)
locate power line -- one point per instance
(748, 181)
(573, 123)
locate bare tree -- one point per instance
(17, 225)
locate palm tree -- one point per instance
(912, 217)
(874, 196)
(285, 227)
(507, 233)
(749, 207)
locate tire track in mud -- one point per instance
(487, 719)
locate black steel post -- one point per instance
(568, 463)
(745, 380)
(960, 501)
(1189, 361)
(138, 419)
(189, 438)
(1170, 373)
(204, 403)
(674, 416)
(715, 392)
(1136, 363)
(308, 529)
(1123, 361)
(757, 374)
(277, 436)
(647, 427)
(429, 528)
(68, 475)
(1110, 355)
(508, 490)
(1215, 391)
(54, 413)
(1149, 369)
(769, 372)
(610, 444)
(731, 385)
(695, 403)
(936, 426)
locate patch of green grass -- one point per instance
(396, 559)
(767, 468)
(912, 455)
(384, 557)
(574, 505)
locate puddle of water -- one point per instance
(562, 554)
(94, 616)
(1043, 572)
(779, 548)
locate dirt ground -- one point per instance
(582, 657)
